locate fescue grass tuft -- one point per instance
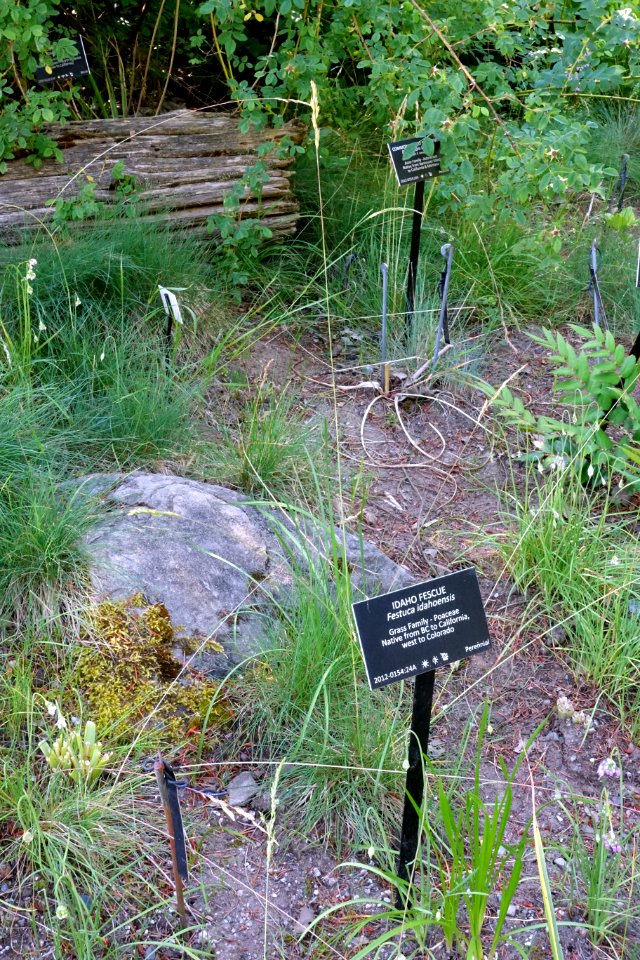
(577, 555)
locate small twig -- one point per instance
(174, 40)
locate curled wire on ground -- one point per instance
(430, 458)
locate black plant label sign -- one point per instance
(70, 68)
(412, 162)
(421, 628)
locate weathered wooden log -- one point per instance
(185, 164)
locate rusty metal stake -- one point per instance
(159, 770)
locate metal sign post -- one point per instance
(411, 164)
(414, 251)
(414, 788)
(410, 633)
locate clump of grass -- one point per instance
(604, 869)
(83, 387)
(577, 554)
(41, 526)
(308, 704)
(615, 130)
(75, 846)
(118, 262)
(506, 268)
(268, 450)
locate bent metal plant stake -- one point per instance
(168, 789)
(443, 321)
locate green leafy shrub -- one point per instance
(25, 44)
(598, 434)
(86, 206)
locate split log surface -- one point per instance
(185, 163)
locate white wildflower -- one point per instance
(371, 852)
(6, 351)
(615, 561)
(590, 470)
(626, 14)
(405, 764)
(608, 768)
(27, 837)
(61, 912)
(41, 327)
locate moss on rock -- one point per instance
(130, 676)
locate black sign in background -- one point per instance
(65, 69)
(418, 166)
(412, 631)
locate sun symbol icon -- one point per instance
(425, 664)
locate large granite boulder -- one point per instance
(214, 558)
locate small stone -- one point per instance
(305, 917)
(502, 851)
(329, 881)
(262, 802)
(556, 637)
(560, 862)
(512, 910)
(241, 789)
(565, 708)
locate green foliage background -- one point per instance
(508, 88)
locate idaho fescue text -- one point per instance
(416, 603)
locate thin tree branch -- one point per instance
(470, 79)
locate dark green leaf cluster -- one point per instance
(597, 434)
